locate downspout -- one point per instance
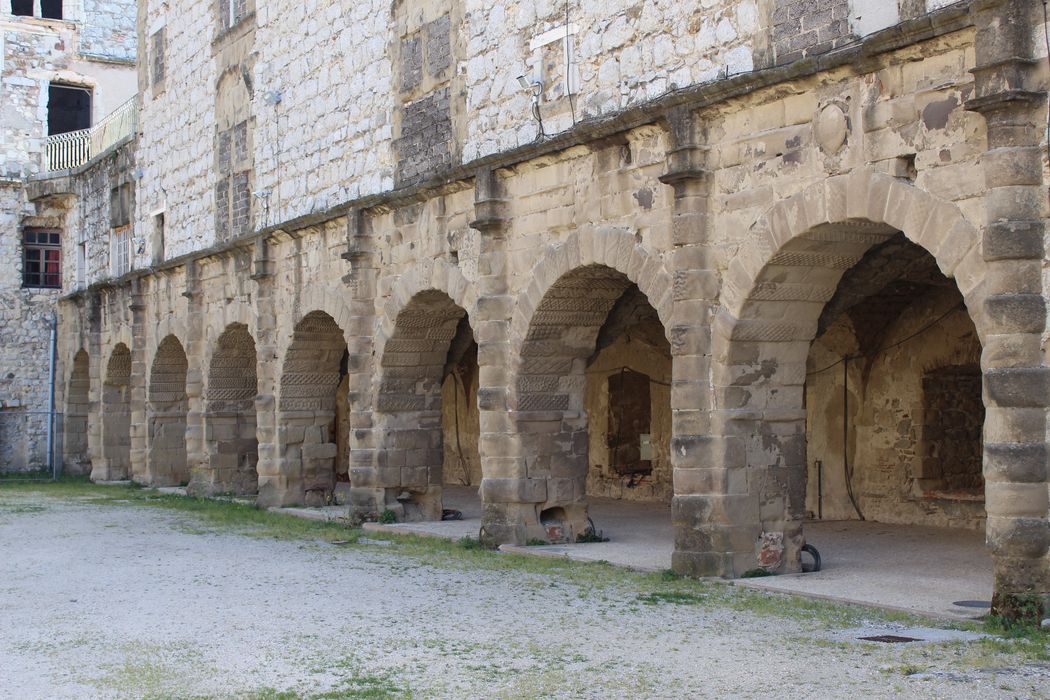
(52, 463)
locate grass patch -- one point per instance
(469, 554)
(214, 514)
(675, 597)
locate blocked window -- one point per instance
(120, 251)
(157, 42)
(630, 419)
(953, 418)
(68, 108)
(42, 259)
(120, 205)
(233, 190)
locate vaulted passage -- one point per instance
(231, 445)
(593, 395)
(116, 418)
(430, 354)
(893, 397)
(166, 416)
(77, 459)
(834, 387)
(312, 421)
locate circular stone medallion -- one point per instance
(830, 129)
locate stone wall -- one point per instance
(735, 209)
(107, 29)
(25, 318)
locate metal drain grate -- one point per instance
(973, 603)
(890, 639)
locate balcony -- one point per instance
(75, 148)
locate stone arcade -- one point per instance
(763, 235)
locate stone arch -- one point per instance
(231, 444)
(116, 418)
(616, 249)
(78, 407)
(555, 343)
(786, 269)
(167, 404)
(412, 360)
(312, 424)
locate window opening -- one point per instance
(22, 8)
(121, 250)
(68, 109)
(42, 262)
(51, 9)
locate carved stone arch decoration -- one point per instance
(166, 411)
(554, 333)
(77, 458)
(787, 267)
(231, 449)
(856, 211)
(437, 275)
(616, 249)
(115, 463)
(423, 325)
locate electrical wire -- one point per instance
(1046, 38)
(568, 63)
(881, 350)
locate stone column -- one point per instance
(196, 358)
(97, 373)
(367, 492)
(712, 532)
(1017, 384)
(272, 485)
(139, 374)
(508, 496)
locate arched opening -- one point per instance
(893, 397)
(116, 417)
(77, 459)
(313, 423)
(231, 444)
(426, 415)
(166, 416)
(593, 400)
(849, 368)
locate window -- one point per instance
(51, 9)
(42, 259)
(231, 12)
(68, 109)
(158, 57)
(120, 251)
(81, 264)
(158, 238)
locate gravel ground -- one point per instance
(131, 601)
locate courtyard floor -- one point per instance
(925, 570)
(116, 592)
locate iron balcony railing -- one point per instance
(63, 151)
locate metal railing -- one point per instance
(74, 148)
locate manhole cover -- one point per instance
(973, 603)
(890, 639)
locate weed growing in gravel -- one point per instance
(590, 579)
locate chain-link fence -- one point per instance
(24, 441)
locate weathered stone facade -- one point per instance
(93, 47)
(699, 217)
